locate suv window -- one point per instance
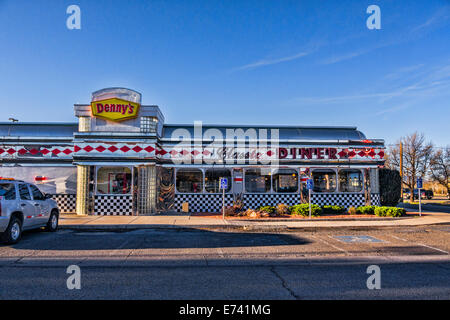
(24, 192)
(37, 194)
(8, 191)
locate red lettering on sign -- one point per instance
(332, 153)
(319, 152)
(306, 152)
(99, 107)
(282, 153)
(131, 109)
(294, 153)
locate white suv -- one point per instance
(22, 207)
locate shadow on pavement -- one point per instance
(67, 240)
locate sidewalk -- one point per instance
(188, 221)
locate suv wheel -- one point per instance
(14, 231)
(52, 224)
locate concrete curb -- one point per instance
(230, 227)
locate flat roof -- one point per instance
(285, 132)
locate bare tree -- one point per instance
(440, 168)
(416, 158)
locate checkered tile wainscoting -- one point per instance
(66, 202)
(213, 202)
(342, 199)
(202, 202)
(256, 200)
(375, 199)
(113, 205)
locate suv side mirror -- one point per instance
(48, 196)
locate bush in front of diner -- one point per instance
(389, 212)
(267, 209)
(333, 209)
(303, 210)
(366, 210)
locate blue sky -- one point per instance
(238, 62)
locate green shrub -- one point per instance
(389, 212)
(352, 210)
(366, 210)
(303, 210)
(268, 209)
(333, 209)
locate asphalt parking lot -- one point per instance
(215, 264)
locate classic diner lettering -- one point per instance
(307, 153)
(121, 108)
(114, 109)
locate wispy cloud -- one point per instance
(435, 81)
(268, 62)
(402, 71)
(439, 17)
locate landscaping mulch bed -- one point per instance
(298, 217)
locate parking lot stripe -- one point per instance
(421, 244)
(331, 245)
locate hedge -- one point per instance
(390, 187)
(268, 209)
(303, 210)
(366, 210)
(389, 212)
(334, 209)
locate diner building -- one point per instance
(122, 158)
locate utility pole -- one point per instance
(401, 167)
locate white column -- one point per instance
(82, 190)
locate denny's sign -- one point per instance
(115, 109)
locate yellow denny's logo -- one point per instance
(114, 109)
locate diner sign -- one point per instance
(115, 109)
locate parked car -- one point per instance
(406, 193)
(23, 207)
(424, 194)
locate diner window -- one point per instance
(189, 181)
(350, 180)
(114, 180)
(212, 180)
(324, 180)
(285, 180)
(257, 181)
(149, 124)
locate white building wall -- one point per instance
(59, 180)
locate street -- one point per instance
(220, 264)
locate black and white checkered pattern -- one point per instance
(213, 202)
(256, 200)
(67, 203)
(202, 202)
(113, 205)
(375, 199)
(343, 199)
